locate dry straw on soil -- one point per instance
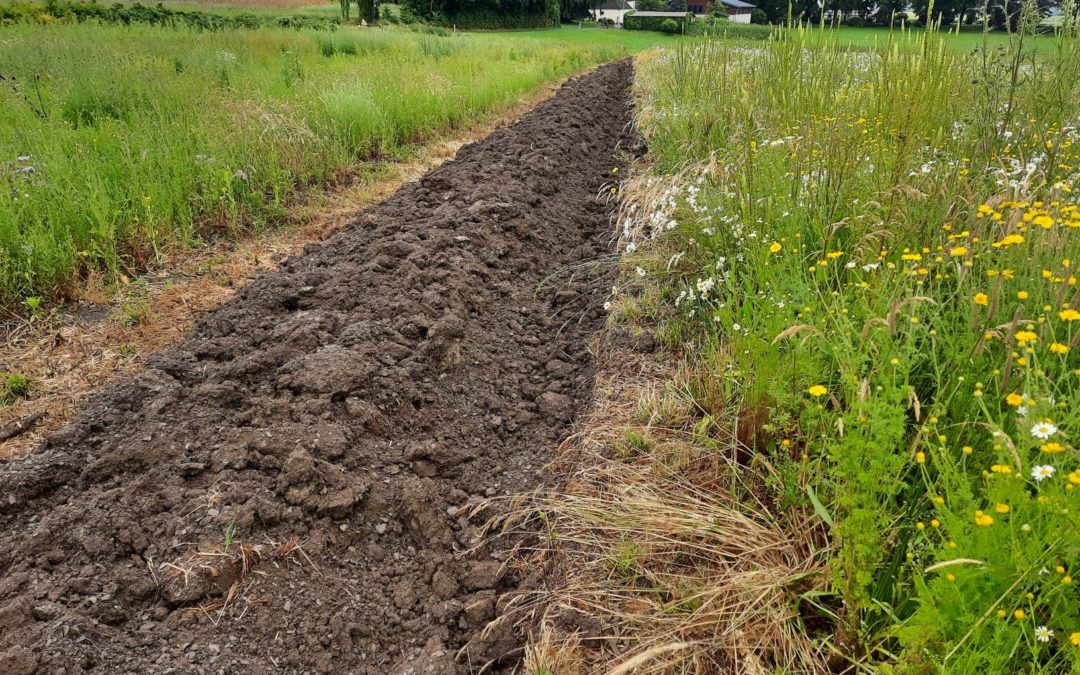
(656, 557)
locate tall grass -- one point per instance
(120, 143)
(871, 254)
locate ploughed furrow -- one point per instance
(285, 489)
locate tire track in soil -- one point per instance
(352, 402)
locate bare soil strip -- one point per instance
(286, 489)
(81, 347)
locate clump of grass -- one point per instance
(135, 307)
(15, 386)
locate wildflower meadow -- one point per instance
(875, 251)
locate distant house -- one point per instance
(612, 9)
(737, 10)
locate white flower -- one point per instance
(1042, 471)
(640, 272)
(1022, 411)
(1043, 634)
(607, 306)
(1043, 430)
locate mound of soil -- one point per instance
(288, 488)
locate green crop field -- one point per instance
(119, 142)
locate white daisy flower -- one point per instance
(1041, 472)
(1043, 430)
(1043, 634)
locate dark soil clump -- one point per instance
(286, 490)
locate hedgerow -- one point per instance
(69, 11)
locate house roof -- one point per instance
(738, 4)
(615, 4)
(674, 15)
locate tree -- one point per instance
(368, 11)
(651, 6)
(570, 10)
(777, 10)
(678, 6)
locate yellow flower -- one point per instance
(817, 390)
(981, 299)
(1026, 336)
(1044, 221)
(1001, 508)
(1010, 240)
(1069, 315)
(1059, 348)
(983, 520)
(1001, 468)
(958, 251)
(920, 457)
(1015, 400)
(920, 526)
(935, 523)
(1052, 447)
(950, 577)
(1019, 614)
(1066, 580)
(1023, 295)
(1001, 614)
(775, 247)
(1075, 639)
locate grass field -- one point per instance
(841, 37)
(866, 259)
(119, 143)
(590, 34)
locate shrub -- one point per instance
(669, 26)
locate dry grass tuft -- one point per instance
(658, 557)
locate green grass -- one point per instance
(118, 144)
(841, 37)
(870, 256)
(966, 40)
(590, 34)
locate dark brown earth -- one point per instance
(284, 490)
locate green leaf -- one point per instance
(822, 512)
